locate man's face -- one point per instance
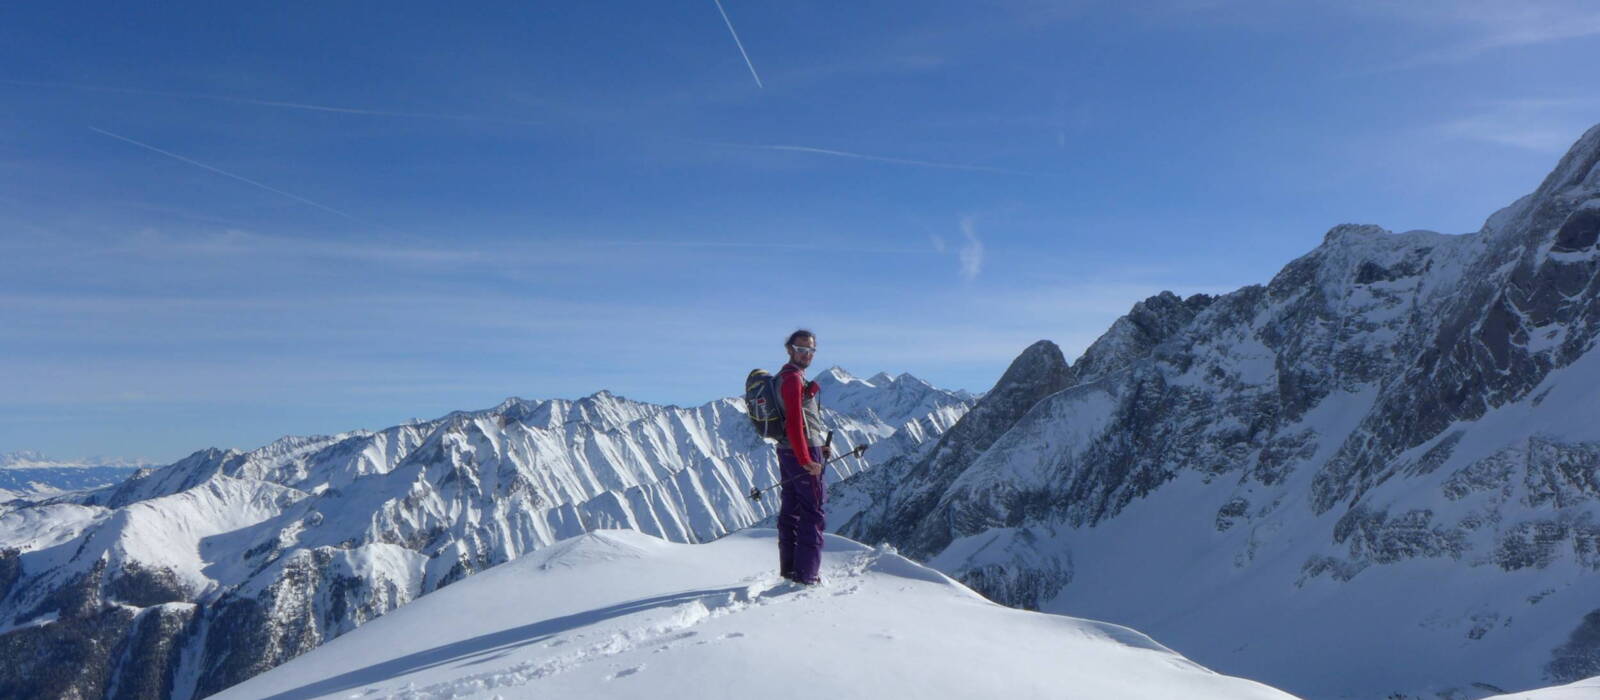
(801, 351)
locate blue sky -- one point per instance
(223, 223)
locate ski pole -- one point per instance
(755, 493)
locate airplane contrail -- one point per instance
(240, 178)
(888, 159)
(269, 103)
(738, 43)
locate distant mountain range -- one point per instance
(31, 459)
(25, 474)
(185, 579)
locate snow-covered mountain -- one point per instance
(1379, 473)
(186, 579)
(885, 400)
(617, 614)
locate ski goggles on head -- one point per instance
(803, 349)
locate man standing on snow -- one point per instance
(801, 454)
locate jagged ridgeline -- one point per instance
(1376, 474)
(189, 578)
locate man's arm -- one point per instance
(792, 391)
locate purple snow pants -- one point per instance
(800, 520)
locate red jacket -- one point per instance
(793, 389)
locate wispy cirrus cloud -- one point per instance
(240, 178)
(1541, 125)
(1441, 31)
(809, 246)
(971, 253)
(237, 243)
(303, 106)
(1488, 24)
(881, 159)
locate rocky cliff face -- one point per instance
(1387, 451)
(186, 579)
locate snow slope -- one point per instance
(618, 614)
(1587, 689)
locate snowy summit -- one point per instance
(618, 614)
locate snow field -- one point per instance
(619, 614)
(1587, 689)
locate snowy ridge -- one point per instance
(226, 563)
(885, 400)
(624, 615)
(1390, 445)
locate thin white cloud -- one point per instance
(1446, 31)
(1516, 23)
(237, 243)
(1490, 24)
(818, 246)
(938, 243)
(738, 43)
(1541, 125)
(240, 178)
(270, 103)
(882, 159)
(971, 254)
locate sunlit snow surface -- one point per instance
(1588, 689)
(618, 614)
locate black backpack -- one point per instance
(762, 404)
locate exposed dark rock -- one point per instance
(1026, 588)
(76, 598)
(1230, 512)
(148, 656)
(1132, 337)
(1339, 569)
(1437, 455)
(1578, 232)
(10, 570)
(1530, 544)
(1579, 657)
(1376, 536)
(248, 635)
(68, 658)
(1490, 474)
(1561, 474)
(141, 586)
(1038, 372)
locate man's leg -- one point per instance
(810, 498)
(788, 512)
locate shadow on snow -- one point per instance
(488, 647)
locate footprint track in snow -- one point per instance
(752, 592)
(624, 673)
